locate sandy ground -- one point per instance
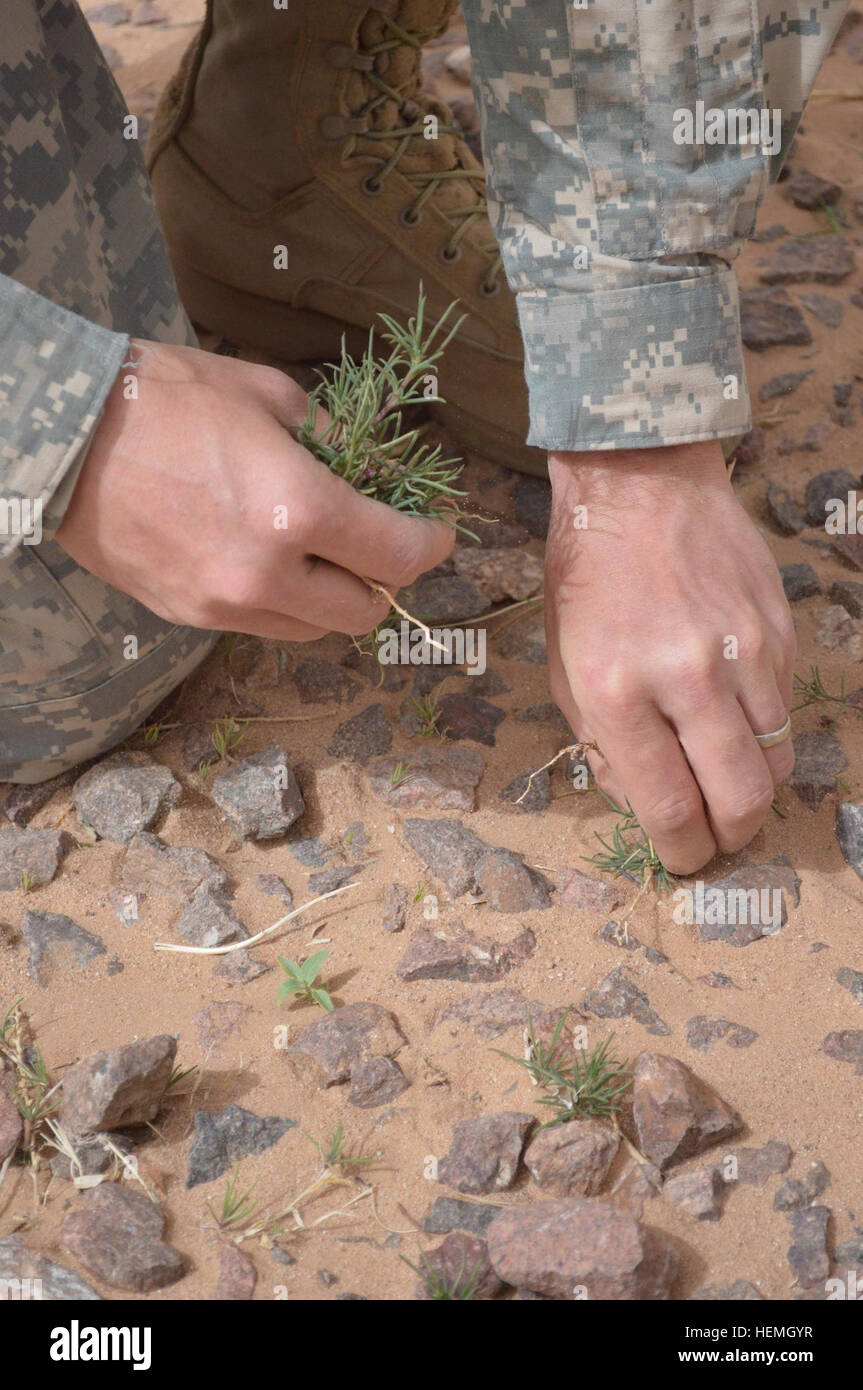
(785, 986)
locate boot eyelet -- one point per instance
(488, 291)
(371, 186)
(450, 254)
(410, 217)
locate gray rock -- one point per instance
(223, 1138)
(739, 1292)
(675, 1115)
(448, 849)
(809, 190)
(819, 758)
(849, 833)
(784, 512)
(56, 1283)
(533, 505)
(770, 878)
(464, 715)
(124, 794)
(328, 1049)
(123, 1086)
(833, 485)
(444, 598)
(619, 997)
(92, 1156)
(791, 1195)
(572, 1159)
(532, 796)
(116, 1234)
(259, 795)
(365, 735)
(846, 1046)
(507, 884)
(825, 259)
(395, 907)
(826, 309)
(485, 1152)
(452, 1214)
(462, 955)
(321, 682)
(559, 1249)
(755, 1166)
(31, 858)
(524, 641)
(209, 920)
(500, 573)
(376, 1081)
(326, 880)
(807, 1255)
(584, 893)
(310, 851)
(783, 385)
(57, 945)
(275, 887)
(703, 1032)
(438, 777)
(239, 968)
(700, 1193)
(836, 631)
(149, 866)
(750, 449)
(851, 980)
(799, 582)
(848, 594)
(491, 1012)
(769, 318)
(544, 713)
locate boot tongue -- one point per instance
(400, 67)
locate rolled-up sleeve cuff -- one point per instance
(636, 367)
(56, 370)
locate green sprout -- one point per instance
(366, 440)
(591, 1085)
(300, 980)
(631, 853)
(237, 1207)
(813, 691)
(428, 713)
(457, 1288)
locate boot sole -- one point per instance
(302, 335)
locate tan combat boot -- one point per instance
(299, 135)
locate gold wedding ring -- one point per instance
(778, 736)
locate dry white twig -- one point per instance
(241, 945)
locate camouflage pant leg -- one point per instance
(80, 253)
(617, 223)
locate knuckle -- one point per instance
(751, 803)
(675, 811)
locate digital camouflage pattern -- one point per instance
(82, 266)
(617, 241)
(631, 340)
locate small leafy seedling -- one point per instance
(237, 1207)
(631, 853)
(460, 1287)
(427, 712)
(300, 980)
(591, 1085)
(366, 440)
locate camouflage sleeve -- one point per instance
(56, 370)
(628, 148)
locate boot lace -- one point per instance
(410, 126)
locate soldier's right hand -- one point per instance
(195, 499)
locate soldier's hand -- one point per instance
(670, 642)
(196, 500)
